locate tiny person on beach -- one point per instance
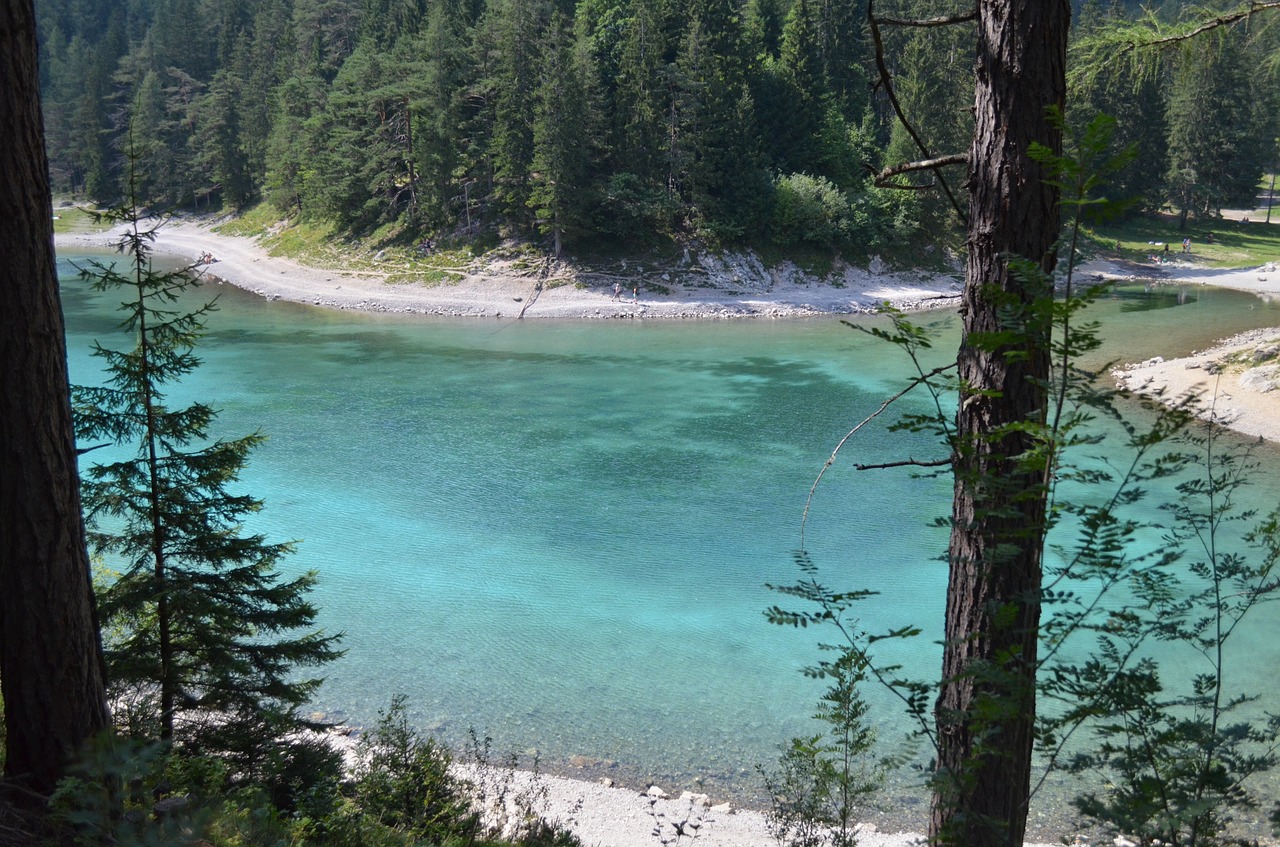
(617, 291)
(635, 294)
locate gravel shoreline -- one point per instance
(702, 287)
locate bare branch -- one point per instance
(831, 460)
(947, 20)
(905, 463)
(887, 81)
(881, 179)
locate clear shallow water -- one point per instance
(559, 533)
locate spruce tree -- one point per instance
(560, 191)
(207, 636)
(1218, 141)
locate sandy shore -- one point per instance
(1236, 382)
(701, 287)
(603, 816)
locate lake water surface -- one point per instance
(559, 533)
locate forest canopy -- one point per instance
(628, 121)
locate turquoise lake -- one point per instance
(559, 533)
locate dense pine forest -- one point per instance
(599, 121)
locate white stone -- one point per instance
(695, 799)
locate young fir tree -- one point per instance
(206, 634)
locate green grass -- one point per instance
(320, 245)
(1235, 244)
(252, 222)
(75, 219)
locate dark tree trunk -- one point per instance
(986, 709)
(50, 656)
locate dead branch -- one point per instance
(831, 460)
(923, 165)
(544, 271)
(887, 81)
(904, 463)
(948, 20)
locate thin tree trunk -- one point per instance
(50, 657)
(986, 709)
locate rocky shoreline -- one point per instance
(1235, 383)
(697, 287)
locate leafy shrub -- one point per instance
(808, 210)
(402, 781)
(822, 781)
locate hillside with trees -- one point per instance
(628, 122)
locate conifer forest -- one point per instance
(603, 121)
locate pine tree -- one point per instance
(562, 138)
(716, 156)
(219, 153)
(439, 140)
(207, 630)
(1137, 103)
(510, 34)
(1218, 141)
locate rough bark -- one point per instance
(986, 709)
(50, 656)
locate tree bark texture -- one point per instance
(985, 711)
(50, 655)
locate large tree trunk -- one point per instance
(986, 709)
(50, 656)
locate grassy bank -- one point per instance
(68, 218)
(1235, 244)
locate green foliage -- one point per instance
(130, 792)
(402, 781)
(823, 781)
(808, 209)
(561, 194)
(208, 655)
(1234, 243)
(134, 794)
(439, 116)
(1179, 750)
(1221, 132)
(1135, 100)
